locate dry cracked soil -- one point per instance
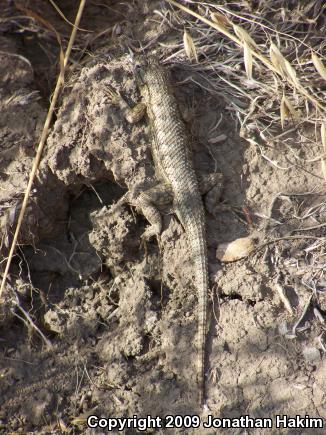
(119, 316)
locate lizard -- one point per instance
(177, 180)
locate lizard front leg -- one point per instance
(149, 202)
(131, 114)
(157, 196)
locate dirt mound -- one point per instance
(116, 318)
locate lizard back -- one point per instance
(174, 165)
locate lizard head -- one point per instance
(143, 66)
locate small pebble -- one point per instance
(235, 250)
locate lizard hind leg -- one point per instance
(211, 186)
(149, 202)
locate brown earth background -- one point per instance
(119, 317)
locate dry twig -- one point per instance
(41, 144)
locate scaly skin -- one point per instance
(174, 167)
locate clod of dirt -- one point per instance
(311, 354)
(40, 408)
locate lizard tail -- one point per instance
(202, 314)
(199, 251)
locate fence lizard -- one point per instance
(178, 181)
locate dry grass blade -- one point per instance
(289, 70)
(81, 420)
(189, 46)
(39, 19)
(247, 56)
(41, 144)
(278, 62)
(323, 136)
(48, 26)
(224, 32)
(56, 7)
(283, 112)
(284, 298)
(320, 67)
(276, 58)
(63, 427)
(220, 19)
(27, 319)
(287, 110)
(244, 36)
(323, 141)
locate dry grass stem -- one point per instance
(189, 45)
(220, 19)
(268, 68)
(41, 144)
(287, 111)
(323, 141)
(319, 65)
(284, 298)
(247, 60)
(281, 68)
(29, 322)
(62, 15)
(244, 36)
(285, 69)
